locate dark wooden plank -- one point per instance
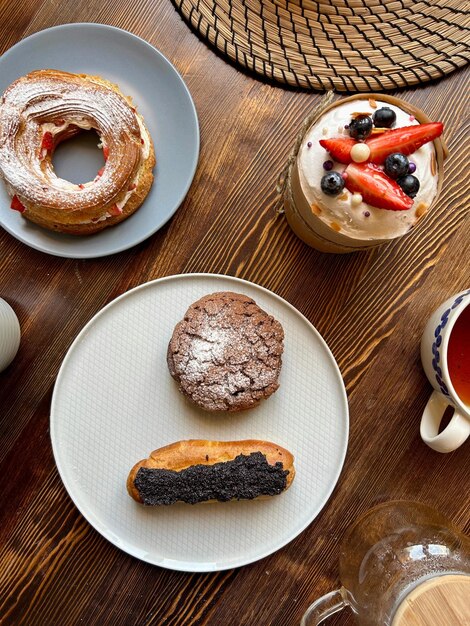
(370, 307)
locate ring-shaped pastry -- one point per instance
(45, 107)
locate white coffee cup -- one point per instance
(9, 334)
(434, 345)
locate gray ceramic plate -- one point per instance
(160, 95)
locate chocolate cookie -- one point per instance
(226, 352)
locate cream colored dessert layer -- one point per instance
(361, 221)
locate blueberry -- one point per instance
(360, 127)
(396, 165)
(409, 184)
(332, 183)
(384, 117)
(328, 165)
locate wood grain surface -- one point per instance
(371, 308)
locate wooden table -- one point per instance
(370, 307)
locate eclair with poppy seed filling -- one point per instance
(196, 470)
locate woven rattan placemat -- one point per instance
(355, 45)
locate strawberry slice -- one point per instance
(105, 152)
(115, 210)
(339, 148)
(16, 205)
(47, 141)
(100, 171)
(404, 140)
(376, 187)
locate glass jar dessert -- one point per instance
(367, 169)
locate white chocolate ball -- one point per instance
(356, 199)
(360, 152)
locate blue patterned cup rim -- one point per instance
(442, 333)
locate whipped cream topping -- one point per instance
(347, 213)
(49, 101)
(144, 136)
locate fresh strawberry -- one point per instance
(339, 148)
(105, 152)
(115, 210)
(47, 141)
(16, 205)
(376, 187)
(403, 140)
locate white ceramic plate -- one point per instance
(160, 95)
(114, 402)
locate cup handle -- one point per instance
(454, 434)
(325, 606)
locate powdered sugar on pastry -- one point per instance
(226, 352)
(46, 107)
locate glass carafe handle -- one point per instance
(325, 606)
